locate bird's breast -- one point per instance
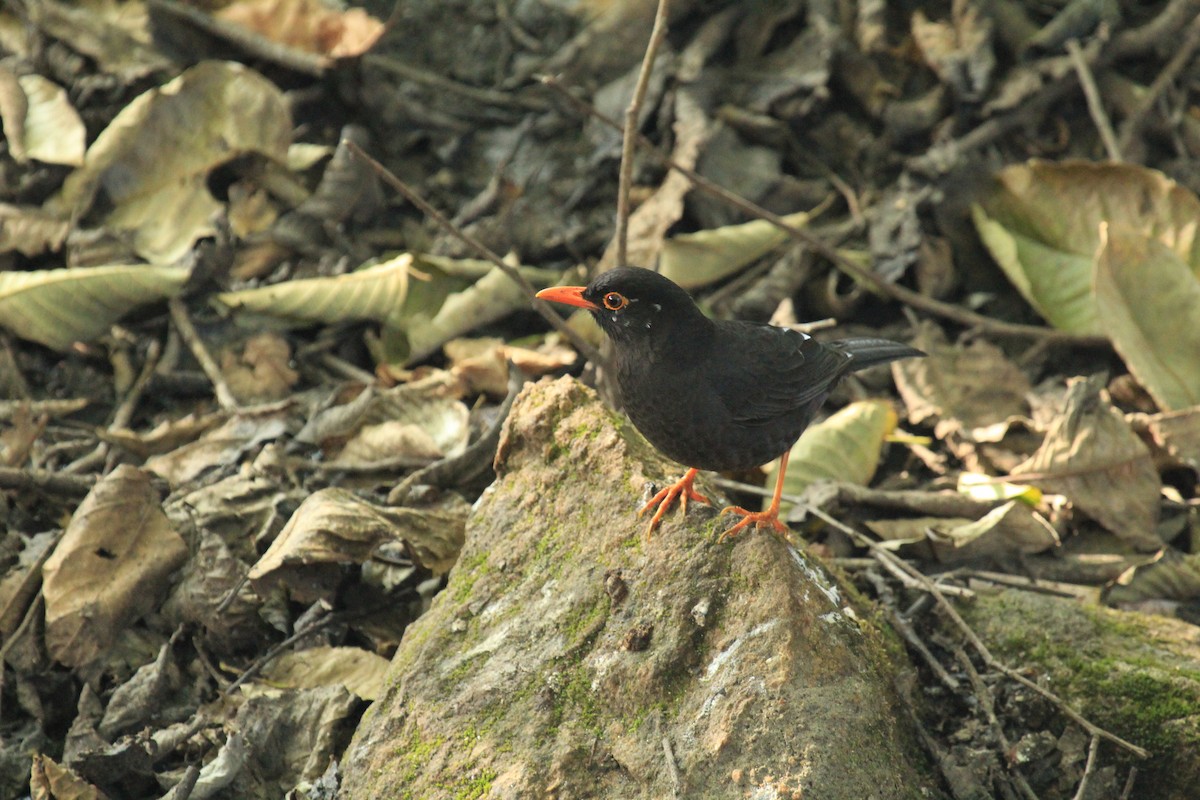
(685, 418)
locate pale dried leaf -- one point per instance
(1179, 433)
(31, 231)
(308, 25)
(54, 133)
(394, 444)
(650, 221)
(111, 567)
(359, 671)
(431, 404)
(260, 371)
(49, 780)
(58, 307)
(219, 447)
(166, 436)
(153, 160)
(1143, 292)
(1172, 576)
(1005, 531)
(1042, 225)
(698, 259)
(374, 293)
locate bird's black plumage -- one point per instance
(714, 394)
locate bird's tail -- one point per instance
(869, 352)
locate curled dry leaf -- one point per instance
(201, 595)
(48, 778)
(394, 444)
(334, 528)
(1178, 432)
(166, 436)
(1171, 576)
(650, 221)
(430, 404)
(221, 446)
(961, 51)
(31, 231)
(262, 371)
(482, 364)
(1089, 450)
(21, 582)
(102, 32)
(1007, 530)
(153, 160)
(111, 567)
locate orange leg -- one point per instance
(681, 489)
(760, 519)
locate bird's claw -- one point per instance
(681, 490)
(759, 519)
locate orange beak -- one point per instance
(568, 295)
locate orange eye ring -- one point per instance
(615, 301)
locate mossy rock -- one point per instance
(1135, 675)
(569, 657)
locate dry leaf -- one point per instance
(359, 671)
(333, 528)
(1090, 450)
(111, 567)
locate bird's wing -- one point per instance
(768, 372)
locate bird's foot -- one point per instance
(681, 489)
(759, 519)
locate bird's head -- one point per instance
(634, 306)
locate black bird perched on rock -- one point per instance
(714, 394)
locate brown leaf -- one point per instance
(1092, 456)
(960, 388)
(111, 567)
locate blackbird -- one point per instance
(714, 394)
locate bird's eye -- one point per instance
(615, 301)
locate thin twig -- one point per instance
(35, 611)
(582, 346)
(1095, 105)
(900, 623)
(672, 769)
(657, 34)
(441, 83)
(1132, 126)
(987, 703)
(124, 413)
(952, 614)
(830, 253)
(1088, 768)
(187, 332)
(47, 481)
(1130, 779)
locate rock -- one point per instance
(570, 658)
(1136, 675)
